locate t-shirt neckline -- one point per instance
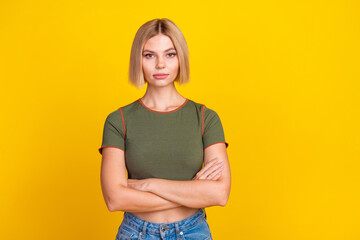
(182, 105)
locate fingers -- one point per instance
(214, 167)
(211, 171)
(200, 174)
(216, 174)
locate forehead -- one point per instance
(158, 43)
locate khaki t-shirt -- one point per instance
(167, 145)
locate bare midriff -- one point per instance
(168, 215)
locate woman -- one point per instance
(162, 140)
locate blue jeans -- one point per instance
(194, 227)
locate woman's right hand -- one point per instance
(210, 171)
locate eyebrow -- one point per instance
(165, 50)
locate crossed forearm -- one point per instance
(157, 194)
(204, 190)
(194, 193)
(132, 200)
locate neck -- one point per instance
(162, 98)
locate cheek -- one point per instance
(145, 69)
(175, 65)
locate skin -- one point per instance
(162, 200)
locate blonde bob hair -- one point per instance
(145, 32)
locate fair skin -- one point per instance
(162, 200)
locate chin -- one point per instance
(160, 82)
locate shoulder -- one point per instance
(194, 104)
(129, 109)
(207, 112)
(119, 113)
(200, 107)
(114, 116)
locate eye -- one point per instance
(147, 55)
(172, 55)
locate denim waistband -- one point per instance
(145, 226)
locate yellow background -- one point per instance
(282, 75)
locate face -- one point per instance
(160, 57)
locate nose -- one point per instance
(160, 63)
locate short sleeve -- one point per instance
(213, 129)
(113, 133)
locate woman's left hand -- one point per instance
(138, 184)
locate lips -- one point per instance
(161, 74)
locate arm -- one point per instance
(132, 200)
(195, 193)
(118, 196)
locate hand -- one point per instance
(138, 184)
(210, 171)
